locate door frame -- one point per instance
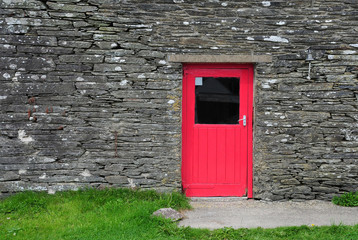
(250, 67)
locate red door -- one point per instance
(217, 130)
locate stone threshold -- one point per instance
(217, 199)
(186, 58)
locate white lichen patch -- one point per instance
(350, 135)
(163, 62)
(276, 39)
(123, 82)
(271, 81)
(141, 76)
(118, 68)
(15, 79)
(86, 173)
(224, 4)
(6, 75)
(268, 124)
(348, 52)
(12, 66)
(3, 97)
(43, 176)
(281, 23)
(48, 160)
(267, 83)
(35, 77)
(266, 3)
(186, 23)
(354, 45)
(250, 38)
(131, 183)
(171, 101)
(23, 137)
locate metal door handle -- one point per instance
(243, 120)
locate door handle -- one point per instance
(243, 120)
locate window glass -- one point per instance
(217, 100)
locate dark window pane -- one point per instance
(217, 100)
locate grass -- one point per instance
(125, 214)
(349, 199)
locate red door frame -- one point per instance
(250, 75)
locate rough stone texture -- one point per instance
(88, 97)
(168, 213)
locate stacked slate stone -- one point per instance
(88, 98)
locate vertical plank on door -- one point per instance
(230, 155)
(212, 153)
(203, 154)
(243, 160)
(238, 167)
(221, 155)
(196, 155)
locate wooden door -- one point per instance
(217, 130)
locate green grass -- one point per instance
(125, 214)
(349, 199)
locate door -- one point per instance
(217, 130)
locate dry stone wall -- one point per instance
(88, 97)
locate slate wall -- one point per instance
(88, 98)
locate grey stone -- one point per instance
(7, 48)
(306, 87)
(73, 68)
(48, 50)
(30, 4)
(10, 176)
(14, 29)
(32, 40)
(291, 181)
(71, 7)
(114, 167)
(28, 64)
(152, 54)
(117, 179)
(68, 15)
(168, 213)
(36, 22)
(107, 45)
(76, 44)
(65, 33)
(81, 58)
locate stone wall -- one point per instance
(88, 98)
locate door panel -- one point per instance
(216, 161)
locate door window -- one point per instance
(217, 100)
